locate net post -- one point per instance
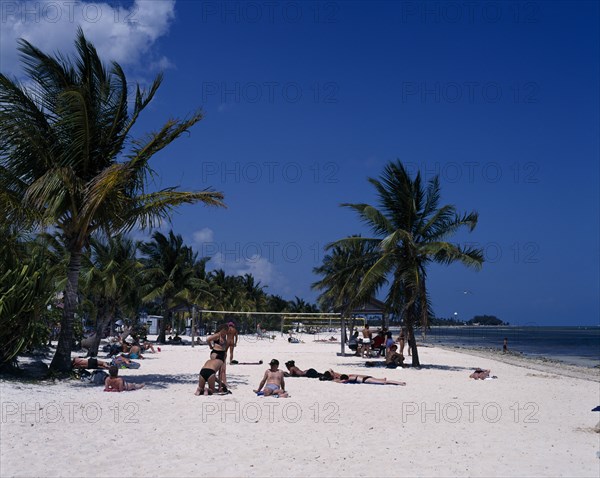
(193, 323)
(343, 332)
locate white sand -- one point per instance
(525, 423)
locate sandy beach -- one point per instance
(527, 422)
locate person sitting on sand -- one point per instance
(389, 341)
(80, 362)
(480, 374)
(378, 345)
(208, 375)
(353, 342)
(294, 371)
(332, 376)
(135, 352)
(392, 358)
(114, 383)
(273, 381)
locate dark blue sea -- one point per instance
(574, 345)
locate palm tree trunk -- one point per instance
(413, 343)
(103, 320)
(62, 358)
(162, 335)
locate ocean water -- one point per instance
(574, 345)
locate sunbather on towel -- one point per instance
(294, 371)
(80, 362)
(330, 375)
(480, 374)
(273, 381)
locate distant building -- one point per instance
(153, 322)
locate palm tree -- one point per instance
(343, 269)
(67, 158)
(411, 231)
(110, 275)
(169, 274)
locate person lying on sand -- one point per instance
(208, 375)
(114, 383)
(273, 381)
(122, 361)
(330, 339)
(294, 371)
(480, 374)
(332, 376)
(80, 362)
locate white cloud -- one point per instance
(205, 234)
(125, 35)
(260, 267)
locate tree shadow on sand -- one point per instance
(163, 381)
(381, 364)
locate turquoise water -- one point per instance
(575, 345)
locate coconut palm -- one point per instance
(168, 275)
(410, 231)
(110, 276)
(67, 158)
(343, 269)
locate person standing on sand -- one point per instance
(218, 351)
(505, 345)
(402, 340)
(273, 381)
(232, 338)
(367, 334)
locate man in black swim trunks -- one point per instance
(208, 375)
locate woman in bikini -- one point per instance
(353, 378)
(208, 375)
(218, 351)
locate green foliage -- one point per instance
(24, 295)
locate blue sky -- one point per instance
(305, 100)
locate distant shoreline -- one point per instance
(541, 364)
